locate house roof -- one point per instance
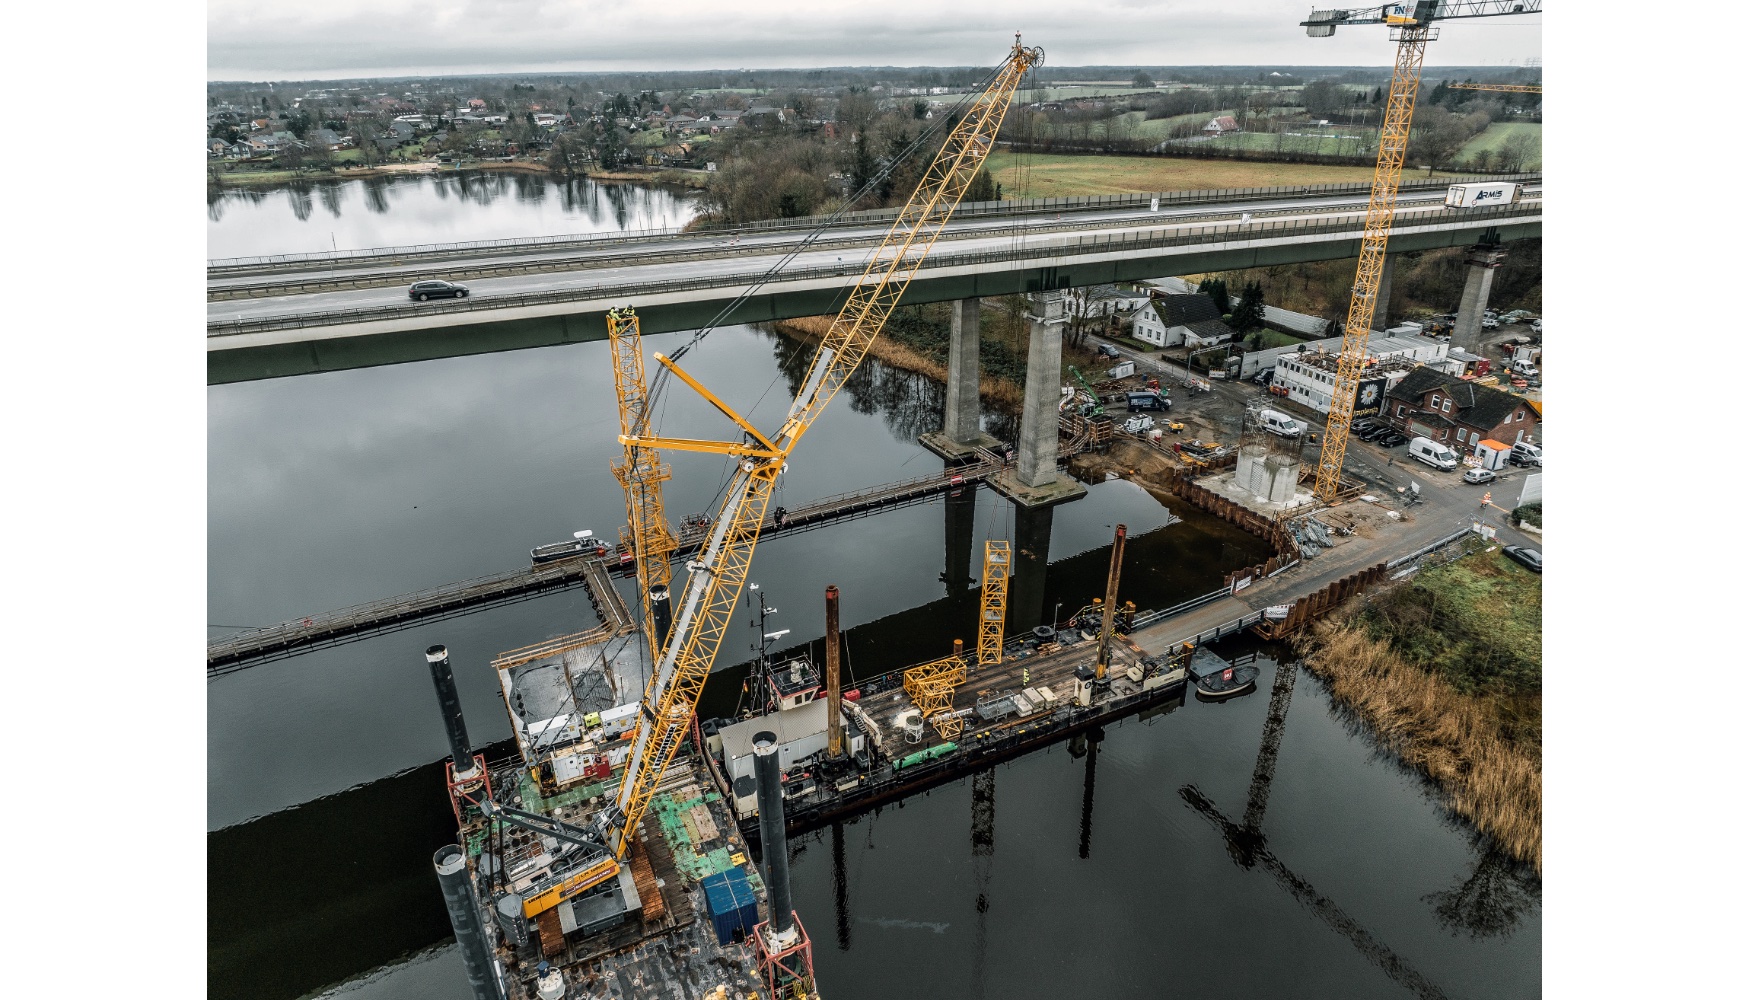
(1207, 329)
(1224, 122)
(1478, 405)
(1184, 310)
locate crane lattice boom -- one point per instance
(714, 580)
(642, 473)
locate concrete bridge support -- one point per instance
(1382, 303)
(1034, 480)
(960, 436)
(1481, 262)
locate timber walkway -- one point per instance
(332, 628)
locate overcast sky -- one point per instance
(317, 39)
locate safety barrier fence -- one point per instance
(1257, 233)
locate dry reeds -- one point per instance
(1461, 741)
(998, 393)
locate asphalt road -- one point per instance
(618, 261)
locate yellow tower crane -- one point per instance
(993, 602)
(715, 577)
(642, 473)
(1412, 27)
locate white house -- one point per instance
(1192, 320)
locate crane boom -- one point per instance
(641, 474)
(1412, 29)
(715, 578)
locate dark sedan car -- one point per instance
(419, 291)
(1531, 559)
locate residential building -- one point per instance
(1191, 320)
(1221, 125)
(330, 138)
(1439, 405)
(1110, 300)
(1422, 350)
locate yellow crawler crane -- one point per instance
(714, 579)
(1412, 28)
(993, 602)
(641, 475)
(931, 687)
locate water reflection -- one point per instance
(1489, 902)
(411, 209)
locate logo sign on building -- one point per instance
(1369, 395)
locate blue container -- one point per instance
(732, 903)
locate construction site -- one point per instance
(631, 848)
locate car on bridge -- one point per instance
(419, 291)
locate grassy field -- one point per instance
(1044, 175)
(1498, 133)
(1447, 670)
(1324, 143)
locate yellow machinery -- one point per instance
(1412, 27)
(993, 604)
(1500, 88)
(715, 577)
(642, 473)
(931, 686)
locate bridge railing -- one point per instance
(220, 267)
(1257, 231)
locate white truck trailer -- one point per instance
(1482, 195)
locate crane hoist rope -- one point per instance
(1412, 28)
(714, 578)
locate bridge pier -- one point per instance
(961, 436)
(1480, 262)
(960, 513)
(1032, 558)
(1382, 302)
(1034, 480)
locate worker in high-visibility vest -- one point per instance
(1485, 502)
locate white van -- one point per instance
(1432, 453)
(1526, 453)
(1280, 423)
(1139, 424)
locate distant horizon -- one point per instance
(1308, 69)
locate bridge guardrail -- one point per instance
(240, 266)
(1257, 230)
(547, 264)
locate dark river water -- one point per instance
(1103, 877)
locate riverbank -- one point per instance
(1446, 689)
(221, 178)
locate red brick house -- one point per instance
(1433, 404)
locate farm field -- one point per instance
(1493, 137)
(1047, 175)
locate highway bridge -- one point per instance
(269, 317)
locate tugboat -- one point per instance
(1215, 679)
(583, 543)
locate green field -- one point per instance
(1322, 143)
(1495, 135)
(1047, 175)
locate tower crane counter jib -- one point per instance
(714, 579)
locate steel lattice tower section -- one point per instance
(1394, 141)
(641, 475)
(993, 604)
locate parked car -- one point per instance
(1264, 377)
(419, 291)
(1107, 351)
(1480, 476)
(1531, 559)
(1374, 433)
(1526, 453)
(1391, 440)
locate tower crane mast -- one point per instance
(715, 577)
(1412, 27)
